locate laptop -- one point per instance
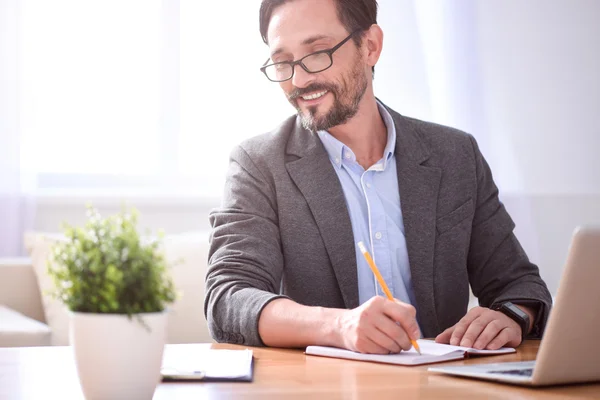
(570, 348)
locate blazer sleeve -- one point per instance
(245, 259)
(499, 269)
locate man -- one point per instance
(285, 269)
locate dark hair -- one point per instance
(354, 15)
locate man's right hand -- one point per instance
(379, 326)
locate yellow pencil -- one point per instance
(377, 274)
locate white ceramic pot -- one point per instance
(117, 357)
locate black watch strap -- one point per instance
(516, 314)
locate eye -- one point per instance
(319, 48)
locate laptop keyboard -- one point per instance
(520, 372)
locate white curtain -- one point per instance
(452, 44)
(432, 68)
(16, 201)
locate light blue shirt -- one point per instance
(373, 201)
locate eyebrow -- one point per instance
(305, 42)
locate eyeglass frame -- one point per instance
(293, 64)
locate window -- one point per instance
(224, 96)
(141, 93)
(90, 92)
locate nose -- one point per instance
(301, 78)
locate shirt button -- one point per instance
(368, 185)
(378, 235)
(348, 156)
(337, 160)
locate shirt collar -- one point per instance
(336, 149)
(390, 147)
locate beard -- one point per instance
(346, 98)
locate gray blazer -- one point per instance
(284, 231)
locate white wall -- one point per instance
(173, 213)
(540, 98)
(401, 75)
(541, 82)
(540, 64)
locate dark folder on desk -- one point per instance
(209, 365)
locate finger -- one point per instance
(475, 329)
(395, 331)
(503, 337)
(492, 330)
(405, 314)
(367, 346)
(444, 337)
(461, 327)
(382, 340)
(409, 307)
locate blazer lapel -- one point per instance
(319, 184)
(419, 186)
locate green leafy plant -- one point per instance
(105, 267)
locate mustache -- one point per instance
(315, 87)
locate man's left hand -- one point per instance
(483, 328)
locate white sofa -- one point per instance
(29, 317)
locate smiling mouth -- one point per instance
(314, 96)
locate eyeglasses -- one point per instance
(312, 63)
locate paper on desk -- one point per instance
(431, 352)
(216, 364)
(431, 347)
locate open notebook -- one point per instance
(431, 353)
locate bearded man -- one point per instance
(285, 269)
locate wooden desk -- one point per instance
(49, 373)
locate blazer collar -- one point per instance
(303, 143)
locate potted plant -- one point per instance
(117, 289)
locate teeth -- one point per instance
(315, 95)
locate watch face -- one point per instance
(518, 315)
(518, 311)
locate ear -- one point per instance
(373, 44)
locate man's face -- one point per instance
(331, 97)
